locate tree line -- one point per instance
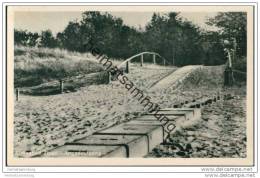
(178, 40)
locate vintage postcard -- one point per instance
(130, 85)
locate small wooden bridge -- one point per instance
(141, 55)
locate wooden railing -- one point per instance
(126, 62)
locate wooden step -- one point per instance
(135, 138)
(153, 133)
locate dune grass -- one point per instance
(35, 66)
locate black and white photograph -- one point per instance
(164, 84)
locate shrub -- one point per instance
(240, 64)
(34, 66)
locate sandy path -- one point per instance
(221, 132)
(175, 77)
(44, 122)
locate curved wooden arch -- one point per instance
(141, 54)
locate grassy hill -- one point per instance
(35, 66)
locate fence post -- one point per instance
(127, 67)
(154, 58)
(142, 60)
(228, 77)
(17, 94)
(61, 86)
(164, 62)
(108, 77)
(235, 49)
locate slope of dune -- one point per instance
(44, 122)
(35, 66)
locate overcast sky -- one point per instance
(57, 21)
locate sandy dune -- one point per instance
(221, 132)
(175, 77)
(44, 122)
